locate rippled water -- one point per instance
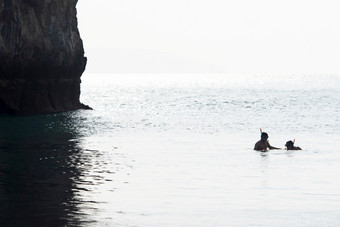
(176, 150)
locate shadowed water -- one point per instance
(45, 168)
(176, 150)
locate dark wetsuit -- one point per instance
(294, 148)
(262, 146)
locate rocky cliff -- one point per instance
(41, 56)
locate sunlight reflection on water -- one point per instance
(177, 151)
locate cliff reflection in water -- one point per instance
(41, 160)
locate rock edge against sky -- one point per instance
(41, 57)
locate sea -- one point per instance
(177, 150)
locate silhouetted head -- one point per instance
(289, 144)
(264, 136)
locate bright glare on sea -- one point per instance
(177, 150)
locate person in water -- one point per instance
(263, 144)
(290, 146)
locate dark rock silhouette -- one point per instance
(41, 57)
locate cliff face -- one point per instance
(41, 56)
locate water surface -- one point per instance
(176, 150)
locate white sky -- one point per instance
(217, 36)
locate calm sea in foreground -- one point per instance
(176, 150)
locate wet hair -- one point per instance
(264, 135)
(289, 143)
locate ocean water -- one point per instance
(177, 150)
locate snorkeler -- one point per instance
(263, 144)
(290, 146)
